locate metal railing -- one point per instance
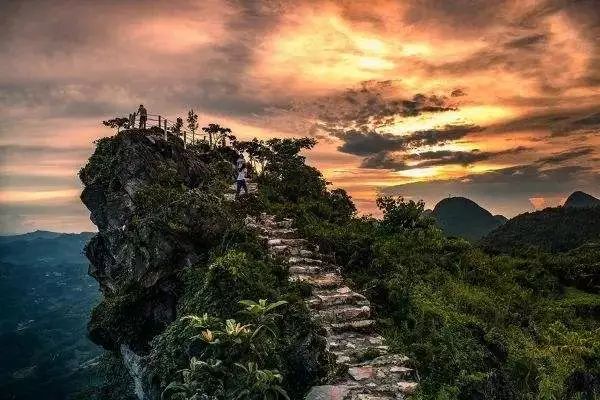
(161, 122)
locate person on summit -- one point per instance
(241, 170)
(143, 113)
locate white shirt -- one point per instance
(242, 175)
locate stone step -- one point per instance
(354, 340)
(389, 359)
(396, 388)
(287, 242)
(344, 313)
(329, 298)
(349, 356)
(323, 281)
(363, 325)
(283, 249)
(287, 233)
(386, 373)
(356, 347)
(305, 270)
(305, 260)
(285, 223)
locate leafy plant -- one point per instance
(260, 384)
(201, 377)
(261, 312)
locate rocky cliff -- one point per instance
(119, 168)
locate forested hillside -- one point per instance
(46, 297)
(552, 229)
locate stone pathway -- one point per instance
(369, 371)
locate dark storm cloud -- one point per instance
(384, 160)
(559, 122)
(527, 41)
(449, 157)
(373, 104)
(443, 135)
(366, 143)
(458, 93)
(371, 142)
(560, 158)
(399, 162)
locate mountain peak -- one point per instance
(459, 216)
(581, 200)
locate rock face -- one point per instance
(119, 168)
(580, 199)
(368, 370)
(459, 216)
(140, 249)
(143, 244)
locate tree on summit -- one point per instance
(117, 123)
(217, 133)
(192, 123)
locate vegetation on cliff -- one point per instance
(552, 229)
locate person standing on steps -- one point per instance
(143, 116)
(242, 170)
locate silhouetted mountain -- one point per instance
(581, 200)
(459, 216)
(46, 296)
(552, 229)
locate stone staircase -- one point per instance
(369, 371)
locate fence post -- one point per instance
(165, 124)
(159, 122)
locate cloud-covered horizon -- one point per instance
(421, 98)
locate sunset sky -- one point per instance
(498, 101)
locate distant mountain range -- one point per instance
(459, 216)
(46, 296)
